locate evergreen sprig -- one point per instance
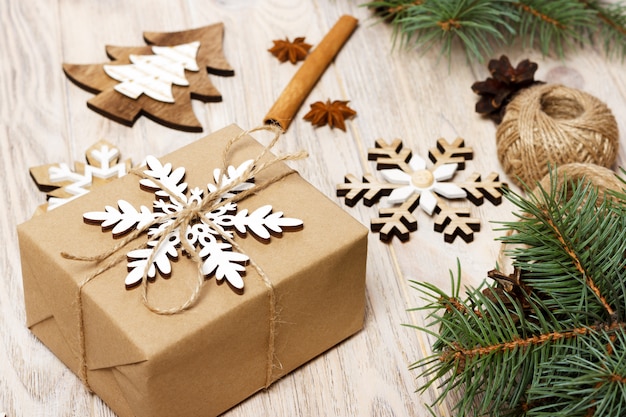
(549, 340)
(550, 25)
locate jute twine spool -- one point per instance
(602, 178)
(551, 125)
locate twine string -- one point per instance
(189, 213)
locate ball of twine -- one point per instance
(602, 178)
(550, 125)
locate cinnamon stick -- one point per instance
(290, 100)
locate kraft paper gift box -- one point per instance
(210, 357)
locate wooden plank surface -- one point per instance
(397, 93)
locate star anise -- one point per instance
(293, 51)
(505, 81)
(333, 114)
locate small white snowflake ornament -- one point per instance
(64, 184)
(409, 183)
(208, 232)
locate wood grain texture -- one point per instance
(397, 93)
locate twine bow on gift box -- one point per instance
(193, 211)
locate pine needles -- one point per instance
(549, 340)
(550, 25)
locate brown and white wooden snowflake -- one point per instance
(63, 183)
(408, 183)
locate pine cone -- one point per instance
(505, 82)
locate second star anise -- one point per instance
(333, 114)
(293, 51)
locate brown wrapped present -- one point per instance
(230, 343)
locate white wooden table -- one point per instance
(396, 92)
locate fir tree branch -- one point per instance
(459, 353)
(478, 25)
(613, 27)
(607, 15)
(577, 263)
(549, 340)
(529, 9)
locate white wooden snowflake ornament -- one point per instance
(64, 184)
(409, 184)
(172, 195)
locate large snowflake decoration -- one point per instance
(409, 184)
(172, 197)
(64, 184)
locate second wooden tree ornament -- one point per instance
(158, 81)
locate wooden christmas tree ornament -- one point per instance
(158, 80)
